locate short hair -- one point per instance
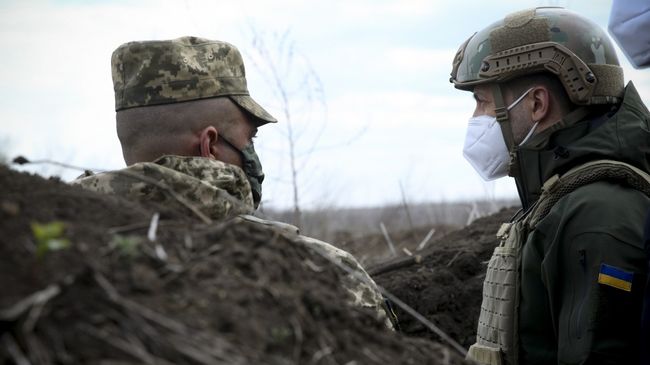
(151, 131)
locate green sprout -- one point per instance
(280, 334)
(126, 245)
(49, 237)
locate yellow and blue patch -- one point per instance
(615, 277)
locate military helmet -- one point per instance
(547, 39)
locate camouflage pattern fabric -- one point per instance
(183, 69)
(363, 290)
(364, 294)
(221, 191)
(217, 189)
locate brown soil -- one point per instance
(231, 293)
(445, 282)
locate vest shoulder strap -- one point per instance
(600, 170)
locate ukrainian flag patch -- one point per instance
(615, 277)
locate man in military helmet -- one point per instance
(565, 283)
(186, 123)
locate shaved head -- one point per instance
(147, 133)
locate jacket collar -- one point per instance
(585, 134)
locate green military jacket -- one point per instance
(217, 191)
(583, 265)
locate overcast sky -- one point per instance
(382, 113)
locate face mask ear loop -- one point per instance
(530, 134)
(230, 144)
(514, 103)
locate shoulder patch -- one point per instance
(615, 277)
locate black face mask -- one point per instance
(252, 168)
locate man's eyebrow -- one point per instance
(254, 133)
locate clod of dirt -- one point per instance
(445, 283)
(229, 293)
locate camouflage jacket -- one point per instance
(221, 191)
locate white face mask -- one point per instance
(485, 148)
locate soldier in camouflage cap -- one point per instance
(186, 121)
(191, 74)
(565, 283)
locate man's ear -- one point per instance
(541, 99)
(208, 142)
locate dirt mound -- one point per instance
(445, 282)
(85, 281)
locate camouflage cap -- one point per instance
(183, 69)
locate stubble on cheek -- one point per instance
(520, 126)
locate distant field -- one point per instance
(410, 228)
(330, 223)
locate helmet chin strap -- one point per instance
(501, 111)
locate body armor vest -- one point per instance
(497, 338)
